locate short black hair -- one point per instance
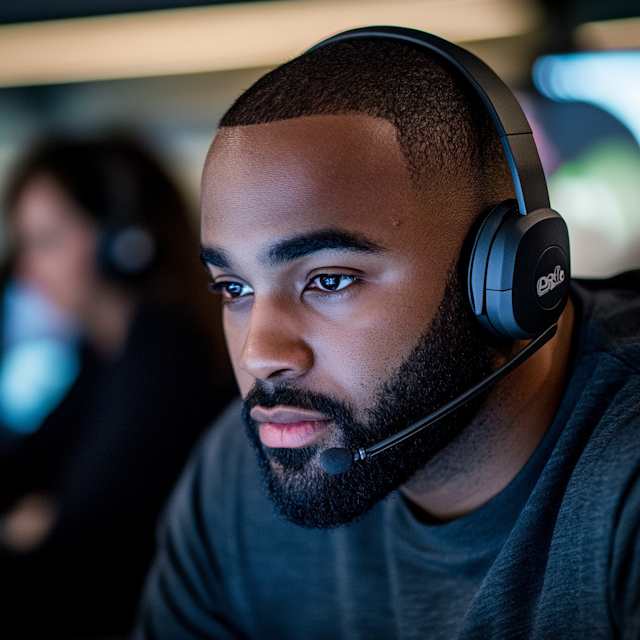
(443, 129)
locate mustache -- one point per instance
(350, 431)
(269, 396)
(295, 460)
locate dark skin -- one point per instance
(340, 317)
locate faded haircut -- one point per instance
(444, 131)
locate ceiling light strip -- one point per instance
(609, 35)
(230, 36)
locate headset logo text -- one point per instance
(550, 282)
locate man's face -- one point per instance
(333, 275)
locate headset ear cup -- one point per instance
(126, 252)
(479, 259)
(519, 271)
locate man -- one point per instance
(338, 200)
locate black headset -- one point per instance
(126, 248)
(518, 275)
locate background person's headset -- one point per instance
(127, 249)
(519, 272)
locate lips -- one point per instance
(288, 427)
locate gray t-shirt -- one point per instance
(554, 555)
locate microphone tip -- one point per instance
(336, 461)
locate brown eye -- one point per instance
(332, 282)
(231, 290)
(234, 289)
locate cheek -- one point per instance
(235, 336)
(355, 358)
(366, 349)
(358, 359)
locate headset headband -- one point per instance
(508, 118)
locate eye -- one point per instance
(331, 282)
(231, 290)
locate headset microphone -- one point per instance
(336, 461)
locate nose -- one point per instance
(274, 347)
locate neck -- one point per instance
(107, 320)
(493, 449)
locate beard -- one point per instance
(449, 358)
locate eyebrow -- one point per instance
(296, 247)
(305, 244)
(210, 256)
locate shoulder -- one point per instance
(602, 400)
(221, 493)
(222, 463)
(609, 315)
(608, 514)
(227, 471)
(599, 448)
(189, 590)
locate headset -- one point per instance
(126, 252)
(126, 247)
(519, 270)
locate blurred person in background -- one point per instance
(102, 232)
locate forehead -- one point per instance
(346, 172)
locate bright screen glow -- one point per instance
(610, 80)
(39, 358)
(598, 192)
